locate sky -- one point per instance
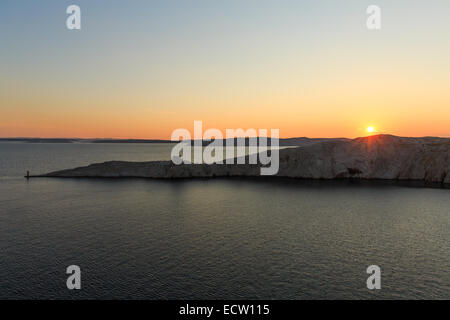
(141, 68)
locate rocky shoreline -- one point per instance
(376, 157)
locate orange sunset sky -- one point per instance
(142, 70)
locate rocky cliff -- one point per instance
(374, 157)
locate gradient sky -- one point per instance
(140, 69)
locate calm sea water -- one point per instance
(212, 238)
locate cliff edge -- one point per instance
(373, 157)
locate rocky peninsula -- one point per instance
(375, 157)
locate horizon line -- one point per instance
(169, 140)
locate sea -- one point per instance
(252, 238)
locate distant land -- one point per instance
(78, 140)
(298, 141)
(384, 157)
(283, 142)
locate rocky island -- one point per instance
(375, 157)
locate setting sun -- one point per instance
(370, 129)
